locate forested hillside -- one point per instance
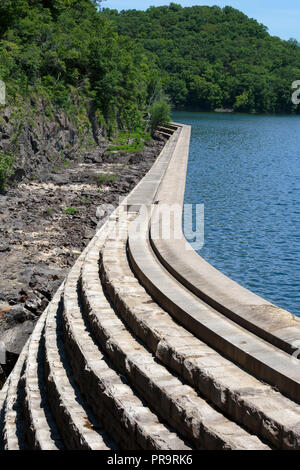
(105, 69)
(211, 57)
(68, 52)
(72, 83)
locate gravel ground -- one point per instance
(44, 226)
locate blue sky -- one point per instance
(282, 17)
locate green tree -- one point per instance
(213, 57)
(160, 114)
(6, 168)
(242, 102)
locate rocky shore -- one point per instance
(44, 226)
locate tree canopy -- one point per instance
(123, 62)
(212, 57)
(67, 48)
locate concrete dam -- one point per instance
(146, 346)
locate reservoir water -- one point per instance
(245, 169)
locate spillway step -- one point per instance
(13, 436)
(248, 401)
(123, 414)
(174, 401)
(263, 360)
(78, 427)
(42, 433)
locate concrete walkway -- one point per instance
(146, 346)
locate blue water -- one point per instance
(246, 171)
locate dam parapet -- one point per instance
(146, 346)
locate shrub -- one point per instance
(130, 141)
(71, 211)
(106, 178)
(7, 161)
(160, 114)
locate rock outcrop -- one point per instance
(51, 211)
(42, 138)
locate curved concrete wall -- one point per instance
(146, 346)
(272, 323)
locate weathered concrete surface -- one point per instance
(178, 404)
(253, 354)
(268, 321)
(109, 367)
(250, 402)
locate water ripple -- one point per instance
(246, 170)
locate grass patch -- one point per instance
(71, 211)
(103, 178)
(127, 142)
(7, 161)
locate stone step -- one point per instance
(271, 323)
(165, 133)
(167, 129)
(42, 433)
(78, 427)
(242, 397)
(12, 418)
(255, 355)
(176, 402)
(123, 414)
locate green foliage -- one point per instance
(127, 148)
(211, 57)
(105, 178)
(71, 211)
(160, 114)
(130, 142)
(241, 102)
(69, 53)
(110, 69)
(6, 168)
